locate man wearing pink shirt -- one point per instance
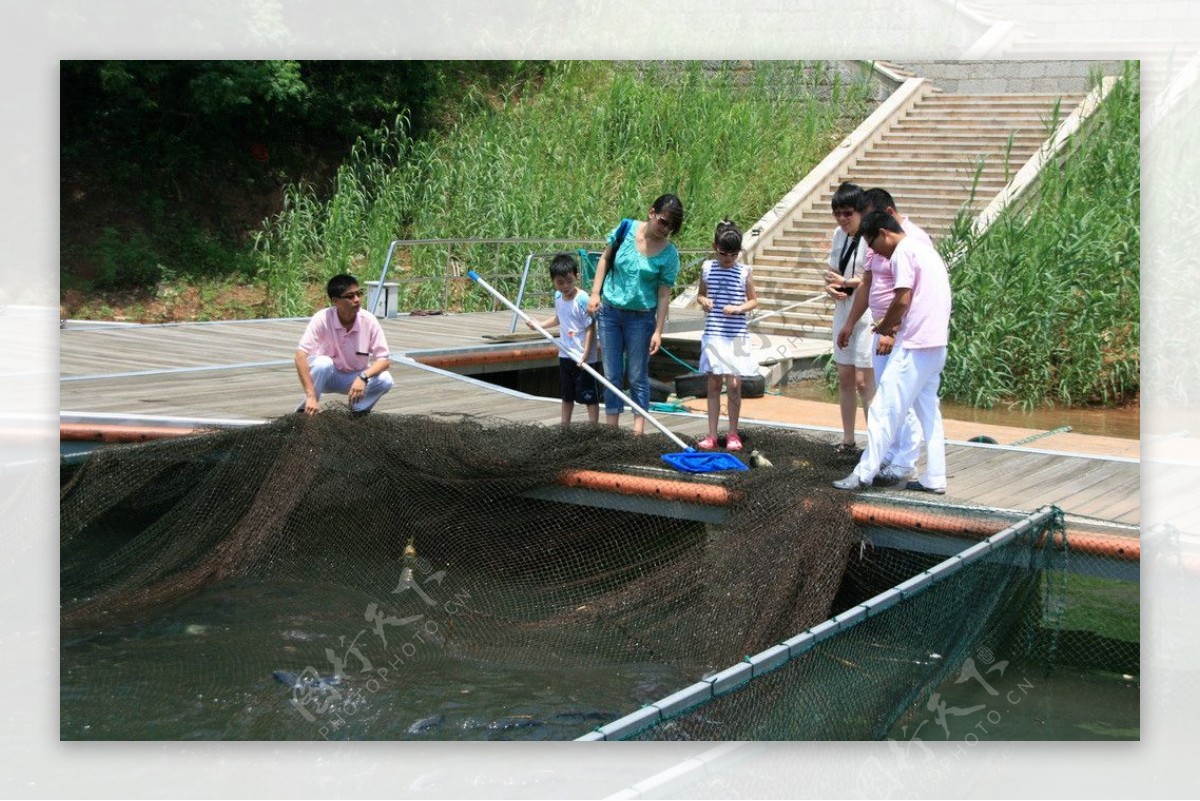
(913, 332)
(879, 287)
(343, 350)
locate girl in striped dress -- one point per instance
(726, 295)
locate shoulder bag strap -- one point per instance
(622, 231)
(848, 251)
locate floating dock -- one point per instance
(243, 372)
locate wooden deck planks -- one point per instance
(965, 458)
(1019, 479)
(985, 475)
(118, 350)
(1055, 478)
(1098, 497)
(1172, 493)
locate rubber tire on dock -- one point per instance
(659, 390)
(696, 385)
(691, 385)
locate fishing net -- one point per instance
(393, 577)
(928, 648)
(883, 667)
(444, 539)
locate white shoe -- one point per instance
(851, 482)
(893, 475)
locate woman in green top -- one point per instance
(631, 297)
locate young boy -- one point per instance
(578, 337)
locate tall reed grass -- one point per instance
(1046, 301)
(565, 155)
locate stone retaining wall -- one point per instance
(1001, 77)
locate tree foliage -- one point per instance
(192, 155)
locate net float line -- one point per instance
(487, 357)
(1113, 547)
(1127, 549)
(660, 488)
(121, 432)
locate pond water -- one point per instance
(1025, 702)
(206, 669)
(210, 668)
(1124, 422)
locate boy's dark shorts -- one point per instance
(577, 385)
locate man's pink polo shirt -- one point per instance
(918, 266)
(883, 278)
(352, 351)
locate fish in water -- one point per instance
(514, 722)
(425, 724)
(758, 460)
(577, 718)
(410, 559)
(306, 680)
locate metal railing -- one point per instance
(428, 263)
(461, 254)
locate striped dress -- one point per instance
(725, 345)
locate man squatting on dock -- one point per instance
(914, 332)
(343, 350)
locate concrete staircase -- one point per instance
(944, 152)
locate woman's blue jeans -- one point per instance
(625, 342)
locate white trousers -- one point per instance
(327, 378)
(906, 448)
(910, 384)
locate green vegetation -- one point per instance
(167, 167)
(278, 173)
(1046, 301)
(563, 154)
